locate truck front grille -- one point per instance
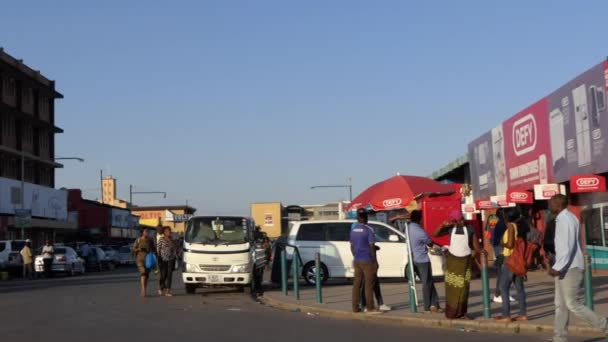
(214, 268)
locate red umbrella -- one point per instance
(397, 192)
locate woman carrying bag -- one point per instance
(507, 276)
(143, 250)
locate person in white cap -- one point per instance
(28, 260)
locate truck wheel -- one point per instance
(190, 289)
(309, 273)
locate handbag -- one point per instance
(151, 260)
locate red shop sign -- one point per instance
(484, 204)
(520, 196)
(587, 183)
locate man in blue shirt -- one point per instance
(364, 261)
(420, 240)
(568, 271)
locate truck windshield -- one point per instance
(217, 230)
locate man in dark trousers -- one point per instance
(362, 247)
(420, 241)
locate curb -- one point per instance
(442, 323)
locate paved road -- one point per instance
(106, 307)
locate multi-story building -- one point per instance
(27, 123)
(27, 155)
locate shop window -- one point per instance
(593, 226)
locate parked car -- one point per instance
(111, 253)
(98, 260)
(10, 254)
(66, 260)
(332, 240)
(125, 256)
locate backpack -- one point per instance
(521, 257)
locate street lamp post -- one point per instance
(131, 193)
(349, 186)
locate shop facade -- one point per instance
(556, 145)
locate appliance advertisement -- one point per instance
(482, 166)
(527, 147)
(578, 125)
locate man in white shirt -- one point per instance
(48, 253)
(568, 272)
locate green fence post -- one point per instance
(318, 279)
(296, 277)
(485, 285)
(284, 271)
(588, 283)
(412, 288)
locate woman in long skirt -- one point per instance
(461, 253)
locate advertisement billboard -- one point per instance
(41, 201)
(577, 129)
(527, 147)
(482, 166)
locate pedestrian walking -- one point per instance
(28, 260)
(141, 247)
(362, 247)
(420, 242)
(166, 256)
(460, 257)
(48, 253)
(85, 252)
(507, 276)
(568, 272)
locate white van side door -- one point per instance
(392, 256)
(337, 255)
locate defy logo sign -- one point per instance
(393, 202)
(587, 183)
(549, 193)
(484, 204)
(524, 135)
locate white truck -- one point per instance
(221, 251)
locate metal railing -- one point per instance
(296, 273)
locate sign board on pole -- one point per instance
(23, 218)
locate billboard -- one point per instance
(577, 130)
(482, 166)
(562, 135)
(527, 147)
(42, 201)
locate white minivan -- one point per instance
(332, 240)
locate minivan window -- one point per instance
(383, 233)
(2, 246)
(338, 231)
(17, 246)
(311, 232)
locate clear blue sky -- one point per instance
(227, 102)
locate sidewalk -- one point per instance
(539, 289)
